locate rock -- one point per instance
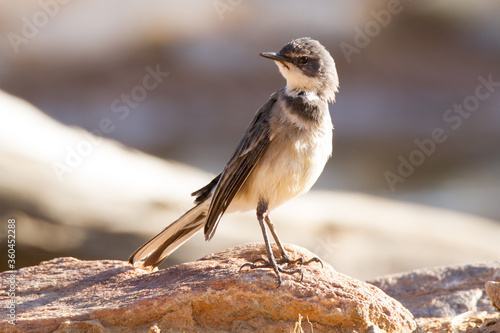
(449, 299)
(442, 291)
(493, 292)
(211, 294)
(468, 322)
(69, 326)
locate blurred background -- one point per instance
(136, 104)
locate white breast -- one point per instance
(290, 166)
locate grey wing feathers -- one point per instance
(246, 155)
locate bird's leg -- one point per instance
(272, 228)
(262, 212)
(285, 259)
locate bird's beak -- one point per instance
(274, 56)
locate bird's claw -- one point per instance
(299, 261)
(279, 266)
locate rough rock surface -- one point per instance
(493, 292)
(442, 291)
(468, 322)
(452, 299)
(211, 294)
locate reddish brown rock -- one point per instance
(493, 292)
(210, 294)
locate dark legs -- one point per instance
(272, 228)
(284, 257)
(263, 216)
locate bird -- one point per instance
(280, 156)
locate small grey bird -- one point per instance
(281, 155)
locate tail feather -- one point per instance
(156, 250)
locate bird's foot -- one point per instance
(282, 266)
(299, 261)
(277, 267)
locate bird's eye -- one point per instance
(303, 60)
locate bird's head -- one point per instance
(307, 66)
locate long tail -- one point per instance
(153, 252)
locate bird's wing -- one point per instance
(245, 157)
